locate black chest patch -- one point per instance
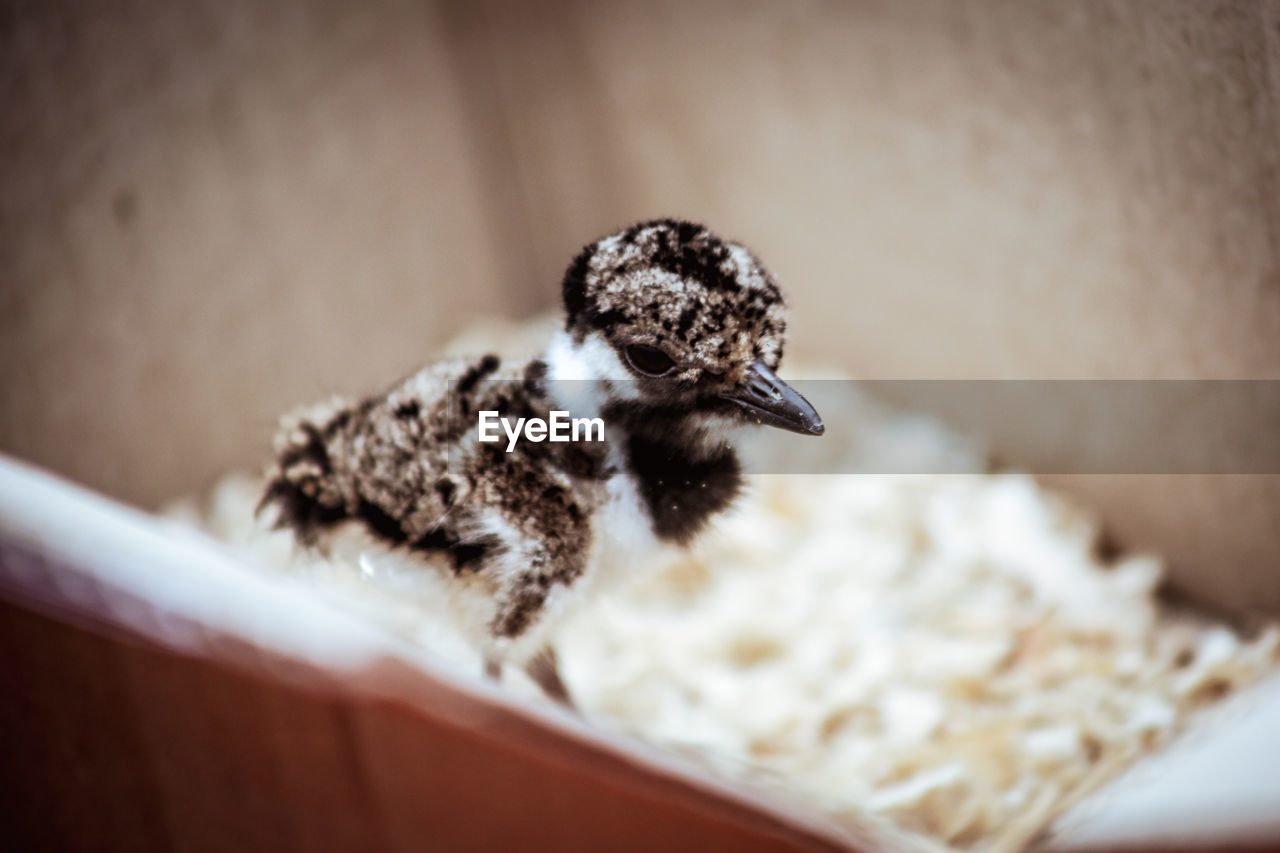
(681, 491)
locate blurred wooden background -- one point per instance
(210, 211)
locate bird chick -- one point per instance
(672, 337)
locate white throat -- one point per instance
(585, 376)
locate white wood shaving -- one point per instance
(946, 651)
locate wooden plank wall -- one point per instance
(212, 210)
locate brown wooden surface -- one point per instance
(112, 745)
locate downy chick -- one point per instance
(672, 337)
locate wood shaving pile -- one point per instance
(946, 651)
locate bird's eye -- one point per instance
(650, 361)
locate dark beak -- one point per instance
(771, 401)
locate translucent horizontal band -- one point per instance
(946, 426)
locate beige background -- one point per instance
(210, 211)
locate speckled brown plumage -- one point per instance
(676, 285)
(666, 325)
(408, 466)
